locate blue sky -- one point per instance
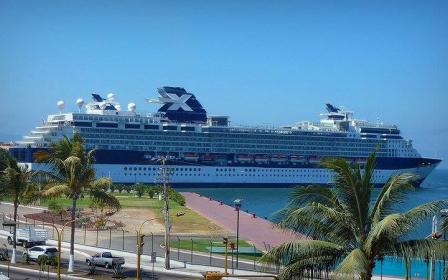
(261, 62)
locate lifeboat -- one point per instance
(278, 158)
(313, 159)
(297, 159)
(191, 156)
(261, 159)
(243, 158)
(208, 157)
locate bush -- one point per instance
(56, 207)
(42, 261)
(139, 189)
(177, 197)
(53, 260)
(112, 188)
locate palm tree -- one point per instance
(16, 182)
(72, 173)
(349, 230)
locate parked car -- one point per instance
(104, 259)
(29, 236)
(34, 252)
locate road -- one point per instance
(82, 269)
(35, 275)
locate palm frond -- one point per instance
(355, 265)
(314, 193)
(393, 226)
(419, 249)
(391, 193)
(101, 197)
(349, 189)
(305, 251)
(321, 222)
(101, 183)
(56, 190)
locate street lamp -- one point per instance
(59, 235)
(444, 227)
(140, 243)
(237, 203)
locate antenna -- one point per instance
(60, 105)
(80, 103)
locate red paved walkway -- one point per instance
(259, 231)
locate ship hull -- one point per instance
(197, 176)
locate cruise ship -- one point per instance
(201, 150)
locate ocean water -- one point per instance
(264, 202)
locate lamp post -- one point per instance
(237, 203)
(59, 235)
(140, 242)
(444, 226)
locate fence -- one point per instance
(194, 250)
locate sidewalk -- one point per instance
(261, 232)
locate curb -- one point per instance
(21, 269)
(24, 206)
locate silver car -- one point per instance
(104, 259)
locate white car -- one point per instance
(34, 252)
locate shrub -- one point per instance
(177, 197)
(139, 189)
(56, 207)
(43, 261)
(53, 261)
(112, 188)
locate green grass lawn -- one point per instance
(200, 245)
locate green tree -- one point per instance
(16, 183)
(128, 188)
(350, 229)
(139, 189)
(71, 173)
(120, 188)
(151, 192)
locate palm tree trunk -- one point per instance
(72, 237)
(14, 234)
